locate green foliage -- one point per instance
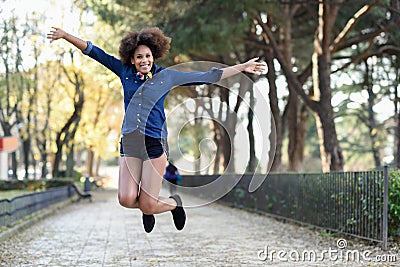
(11, 185)
(394, 203)
(34, 185)
(59, 182)
(76, 176)
(196, 27)
(207, 28)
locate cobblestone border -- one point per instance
(30, 220)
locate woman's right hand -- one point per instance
(55, 34)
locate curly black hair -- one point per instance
(154, 38)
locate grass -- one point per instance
(9, 194)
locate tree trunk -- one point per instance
(292, 130)
(301, 135)
(70, 161)
(252, 164)
(397, 117)
(57, 157)
(331, 153)
(67, 133)
(277, 138)
(217, 138)
(372, 125)
(89, 162)
(197, 140)
(43, 158)
(228, 142)
(295, 151)
(225, 137)
(26, 147)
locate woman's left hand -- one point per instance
(254, 67)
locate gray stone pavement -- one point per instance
(102, 233)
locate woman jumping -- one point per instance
(143, 144)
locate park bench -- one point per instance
(82, 195)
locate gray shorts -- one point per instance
(138, 145)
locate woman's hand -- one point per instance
(250, 66)
(254, 67)
(55, 34)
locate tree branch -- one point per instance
(389, 49)
(350, 25)
(364, 37)
(297, 86)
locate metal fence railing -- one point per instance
(24, 205)
(354, 203)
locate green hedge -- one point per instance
(394, 203)
(34, 185)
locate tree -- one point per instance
(28, 132)
(42, 101)
(13, 81)
(310, 40)
(65, 136)
(44, 110)
(324, 47)
(191, 27)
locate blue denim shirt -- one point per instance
(144, 100)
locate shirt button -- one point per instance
(140, 104)
(138, 114)
(126, 78)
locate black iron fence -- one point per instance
(24, 205)
(354, 203)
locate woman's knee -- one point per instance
(147, 205)
(127, 201)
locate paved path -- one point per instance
(102, 233)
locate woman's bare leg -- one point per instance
(152, 176)
(130, 172)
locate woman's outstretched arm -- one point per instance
(251, 66)
(88, 49)
(57, 33)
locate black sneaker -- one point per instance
(178, 213)
(148, 222)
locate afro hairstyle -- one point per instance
(154, 38)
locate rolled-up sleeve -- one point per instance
(88, 48)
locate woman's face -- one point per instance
(143, 59)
